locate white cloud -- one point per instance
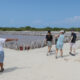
(70, 22)
(74, 19)
(37, 22)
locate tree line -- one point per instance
(29, 28)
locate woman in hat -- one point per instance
(59, 44)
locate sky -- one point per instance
(40, 13)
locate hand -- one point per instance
(69, 41)
(45, 43)
(16, 39)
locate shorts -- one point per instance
(59, 46)
(72, 45)
(49, 43)
(1, 56)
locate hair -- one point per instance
(49, 32)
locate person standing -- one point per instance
(49, 40)
(72, 42)
(59, 44)
(3, 40)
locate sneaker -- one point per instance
(2, 70)
(47, 54)
(56, 57)
(51, 51)
(71, 54)
(62, 56)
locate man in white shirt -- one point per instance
(3, 40)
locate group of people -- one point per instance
(59, 42)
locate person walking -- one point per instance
(72, 43)
(3, 40)
(49, 40)
(59, 44)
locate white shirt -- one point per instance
(2, 41)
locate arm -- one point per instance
(52, 40)
(56, 36)
(11, 40)
(46, 39)
(71, 37)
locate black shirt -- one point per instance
(74, 37)
(49, 37)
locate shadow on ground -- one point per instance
(7, 70)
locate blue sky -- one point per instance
(40, 13)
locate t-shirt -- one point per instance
(74, 37)
(2, 40)
(49, 37)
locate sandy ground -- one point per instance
(35, 65)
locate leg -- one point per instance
(49, 48)
(1, 61)
(71, 47)
(74, 49)
(61, 52)
(48, 51)
(56, 52)
(1, 65)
